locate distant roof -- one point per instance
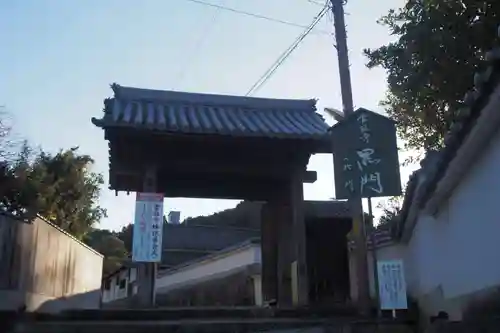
(327, 209)
(203, 238)
(380, 236)
(194, 113)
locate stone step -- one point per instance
(199, 313)
(283, 325)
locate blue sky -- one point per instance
(58, 58)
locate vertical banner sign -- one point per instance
(148, 228)
(392, 285)
(366, 162)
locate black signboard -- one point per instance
(366, 162)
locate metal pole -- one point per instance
(374, 257)
(355, 204)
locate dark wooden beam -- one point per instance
(196, 187)
(206, 168)
(134, 156)
(241, 162)
(309, 177)
(312, 146)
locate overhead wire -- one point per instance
(315, 2)
(196, 50)
(271, 70)
(254, 15)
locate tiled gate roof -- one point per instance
(193, 113)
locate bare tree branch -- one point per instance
(8, 144)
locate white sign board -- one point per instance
(148, 228)
(392, 285)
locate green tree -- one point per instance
(19, 184)
(390, 210)
(431, 64)
(59, 187)
(126, 234)
(245, 215)
(110, 246)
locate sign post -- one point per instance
(366, 156)
(148, 228)
(366, 165)
(392, 286)
(147, 241)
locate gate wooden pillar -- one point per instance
(298, 265)
(284, 268)
(147, 271)
(276, 253)
(284, 256)
(269, 245)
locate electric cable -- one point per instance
(258, 16)
(197, 48)
(271, 70)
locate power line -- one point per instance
(258, 16)
(270, 72)
(197, 47)
(315, 2)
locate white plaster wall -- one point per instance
(456, 254)
(472, 245)
(424, 254)
(114, 292)
(257, 290)
(108, 294)
(388, 252)
(212, 266)
(133, 274)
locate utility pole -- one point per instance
(343, 55)
(355, 204)
(374, 258)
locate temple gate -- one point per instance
(223, 147)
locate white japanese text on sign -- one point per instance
(365, 157)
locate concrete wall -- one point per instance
(45, 268)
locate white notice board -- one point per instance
(148, 228)
(392, 285)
